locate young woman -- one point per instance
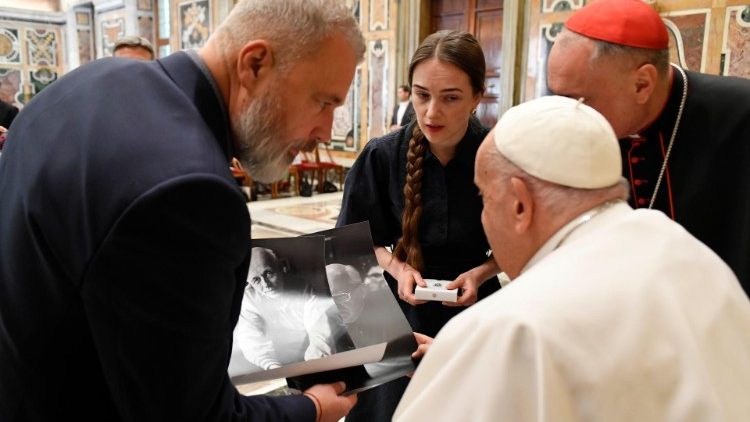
(416, 188)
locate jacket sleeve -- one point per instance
(162, 295)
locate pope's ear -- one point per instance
(523, 205)
(254, 63)
(646, 77)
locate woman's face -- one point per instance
(443, 101)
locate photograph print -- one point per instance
(287, 313)
(367, 307)
(316, 309)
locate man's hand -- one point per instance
(469, 286)
(423, 344)
(330, 405)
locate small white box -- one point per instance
(436, 290)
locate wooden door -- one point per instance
(484, 20)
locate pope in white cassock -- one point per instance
(613, 314)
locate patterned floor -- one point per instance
(294, 216)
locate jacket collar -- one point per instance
(197, 83)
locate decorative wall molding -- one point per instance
(549, 6)
(705, 35)
(31, 57)
(735, 43)
(379, 15)
(13, 14)
(512, 48)
(378, 70)
(689, 32)
(193, 23)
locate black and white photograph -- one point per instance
(317, 307)
(365, 302)
(358, 287)
(287, 312)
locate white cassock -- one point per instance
(629, 319)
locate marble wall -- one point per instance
(368, 106)
(30, 59)
(704, 36)
(145, 19)
(84, 30)
(735, 44)
(111, 28)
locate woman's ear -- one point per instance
(477, 98)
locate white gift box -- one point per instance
(436, 290)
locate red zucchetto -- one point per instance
(625, 22)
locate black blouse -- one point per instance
(450, 230)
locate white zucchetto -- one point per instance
(562, 141)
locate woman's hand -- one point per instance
(407, 277)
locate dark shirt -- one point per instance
(406, 119)
(450, 230)
(8, 112)
(706, 187)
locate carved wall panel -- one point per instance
(112, 29)
(30, 59)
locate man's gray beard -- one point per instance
(260, 139)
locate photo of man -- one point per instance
(283, 319)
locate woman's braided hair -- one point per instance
(462, 50)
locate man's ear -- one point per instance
(523, 205)
(646, 78)
(254, 63)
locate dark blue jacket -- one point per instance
(124, 248)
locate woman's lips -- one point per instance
(434, 128)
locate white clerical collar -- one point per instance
(561, 235)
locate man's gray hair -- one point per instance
(635, 56)
(294, 28)
(554, 197)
